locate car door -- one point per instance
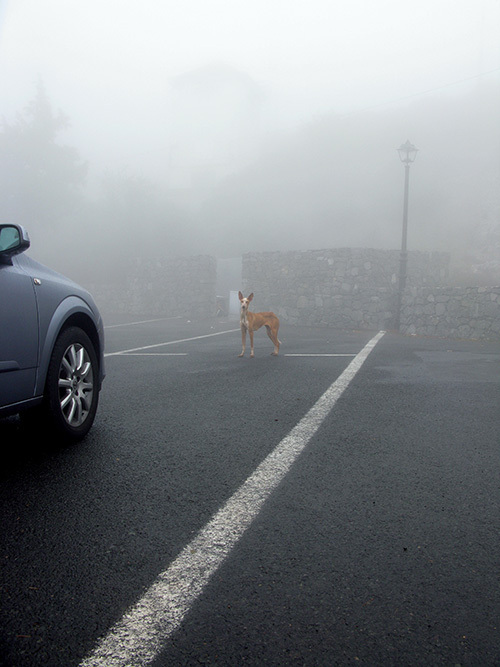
(18, 334)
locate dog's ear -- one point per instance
(250, 297)
(240, 296)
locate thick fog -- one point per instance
(137, 131)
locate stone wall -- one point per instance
(182, 286)
(346, 287)
(452, 312)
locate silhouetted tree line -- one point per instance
(40, 179)
(42, 186)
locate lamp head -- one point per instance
(407, 152)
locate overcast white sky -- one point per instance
(110, 60)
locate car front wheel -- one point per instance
(71, 390)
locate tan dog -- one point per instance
(252, 321)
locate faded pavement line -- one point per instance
(170, 342)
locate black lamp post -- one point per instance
(407, 154)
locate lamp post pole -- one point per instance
(407, 153)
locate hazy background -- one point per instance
(222, 126)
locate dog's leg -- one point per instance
(272, 332)
(243, 341)
(250, 332)
(277, 342)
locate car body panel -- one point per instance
(19, 343)
(53, 323)
(58, 300)
(36, 304)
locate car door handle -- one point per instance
(6, 366)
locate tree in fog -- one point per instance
(131, 221)
(40, 178)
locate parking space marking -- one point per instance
(131, 324)
(155, 354)
(319, 355)
(170, 342)
(141, 634)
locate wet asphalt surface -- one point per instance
(380, 547)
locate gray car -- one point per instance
(51, 342)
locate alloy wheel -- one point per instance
(76, 385)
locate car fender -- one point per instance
(70, 306)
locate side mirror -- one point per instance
(14, 239)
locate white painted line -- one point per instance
(155, 354)
(319, 355)
(130, 324)
(170, 342)
(140, 635)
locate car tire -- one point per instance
(72, 389)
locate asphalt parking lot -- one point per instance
(338, 504)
